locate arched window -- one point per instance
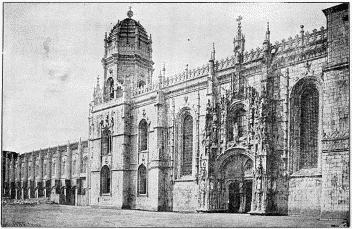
(309, 128)
(37, 170)
(143, 135)
(106, 142)
(84, 166)
(22, 170)
(142, 180)
(105, 180)
(187, 145)
(141, 83)
(304, 122)
(74, 167)
(44, 168)
(110, 88)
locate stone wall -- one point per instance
(304, 195)
(185, 196)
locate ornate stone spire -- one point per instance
(266, 42)
(239, 40)
(130, 13)
(239, 27)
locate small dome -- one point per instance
(127, 30)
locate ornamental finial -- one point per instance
(130, 13)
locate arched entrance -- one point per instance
(236, 171)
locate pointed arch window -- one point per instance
(143, 135)
(142, 180)
(187, 145)
(309, 128)
(105, 180)
(106, 142)
(304, 123)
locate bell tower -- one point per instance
(127, 57)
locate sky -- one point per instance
(52, 54)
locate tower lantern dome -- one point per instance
(129, 31)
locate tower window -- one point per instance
(106, 142)
(141, 83)
(105, 180)
(143, 135)
(110, 88)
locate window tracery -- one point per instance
(142, 180)
(105, 180)
(143, 135)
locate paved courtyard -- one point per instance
(51, 215)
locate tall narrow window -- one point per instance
(63, 165)
(84, 165)
(304, 122)
(309, 128)
(143, 135)
(54, 168)
(110, 88)
(106, 142)
(74, 167)
(105, 180)
(239, 122)
(187, 145)
(44, 168)
(142, 180)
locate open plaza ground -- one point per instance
(52, 215)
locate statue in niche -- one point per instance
(235, 131)
(107, 120)
(112, 121)
(208, 106)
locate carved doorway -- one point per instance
(240, 196)
(248, 191)
(236, 171)
(234, 197)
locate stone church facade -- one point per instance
(264, 131)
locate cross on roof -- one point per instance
(239, 19)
